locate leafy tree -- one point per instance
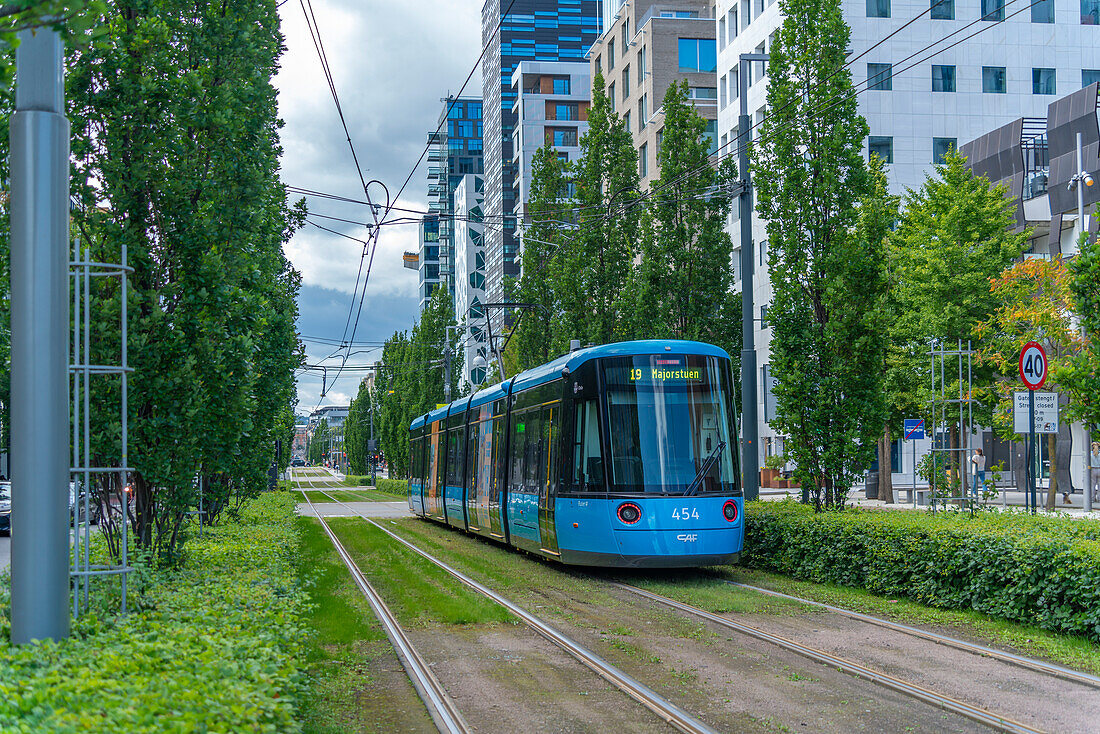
(78, 21)
(591, 270)
(357, 430)
(956, 233)
(533, 339)
(1082, 375)
(319, 442)
(175, 148)
(1034, 303)
(685, 276)
(826, 271)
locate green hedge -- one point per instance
(1037, 570)
(396, 487)
(214, 647)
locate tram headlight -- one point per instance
(729, 510)
(629, 513)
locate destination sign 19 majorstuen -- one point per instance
(665, 374)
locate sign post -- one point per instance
(914, 430)
(1033, 372)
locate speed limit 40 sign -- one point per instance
(1033, 365)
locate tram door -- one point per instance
(548, 475)
(496, 471)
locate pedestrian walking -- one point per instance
(1094, 471)
(978, 459)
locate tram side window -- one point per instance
(587, 461)
(471, 460)
(441, 464)
(497, 446)
(515, 473)
(454, 457)
(533, 451)
(550, 428)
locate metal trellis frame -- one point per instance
(943, 414)
(82, 270)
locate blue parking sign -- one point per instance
(914, 429)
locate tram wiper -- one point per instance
(705, 468)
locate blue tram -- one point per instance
(617, 455)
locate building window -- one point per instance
(643, 112)
(626, 120)
(882, 146)
(698, 54)
(1090, 12)
(679, 14)
(943, 78)
(721, 33)
(941, 147)
(703, 92)
(768, 383)
(1043, 81)
(722, 86)
(712, 133)
(625, 40)
(993, 10)
(626, 82)
(660, 137)
(763, 317)
(1042, 11)
(1089, 76)
(943, 9)
(746, 13)
(562, 85)
(993, 80)
(565, 111)
(611, 54)
(643, 160)
(599, 64)
(759, 7)
(734, 30)
(561, 137)
(735, 84)
(611, 95)
(641, 66)
(878, 8)
(880, 77)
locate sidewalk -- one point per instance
(1011, 500)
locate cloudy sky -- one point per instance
(391, 64)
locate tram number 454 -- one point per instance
(685, 513)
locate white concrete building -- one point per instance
(469, 242)
(552, 102)
(1025, 57)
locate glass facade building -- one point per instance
(534, 30)
(455, 152)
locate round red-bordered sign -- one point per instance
(1033, 365)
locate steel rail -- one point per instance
(974, 713)
(443, 710)
(667, 711)
(1022, 661)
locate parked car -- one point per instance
(5, 508)
(297, 461)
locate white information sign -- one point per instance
(1046, 412)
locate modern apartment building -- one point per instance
(918, 103)
(469, 238)
(533, 30)
(455, 152)
(646, 47)
(552, 101)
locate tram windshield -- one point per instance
(670, 425)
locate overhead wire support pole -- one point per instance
(39, 341)
(750, 430)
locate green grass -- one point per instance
(702, 592)
(347, 646)
(417, 591)
(346, 495)
(1072, 651)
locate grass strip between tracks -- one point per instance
(354, 679)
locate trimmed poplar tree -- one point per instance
(591, 269)
(827, 277)
(685, 277)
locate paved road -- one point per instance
(351, 509)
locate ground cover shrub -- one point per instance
(1032, 569)
(214, 646)
(396, 487)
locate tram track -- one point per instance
(1022, 661)
(974, 713)
(857, 670)
(441, 707)
(667, 711)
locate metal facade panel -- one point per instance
(1065, 118)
